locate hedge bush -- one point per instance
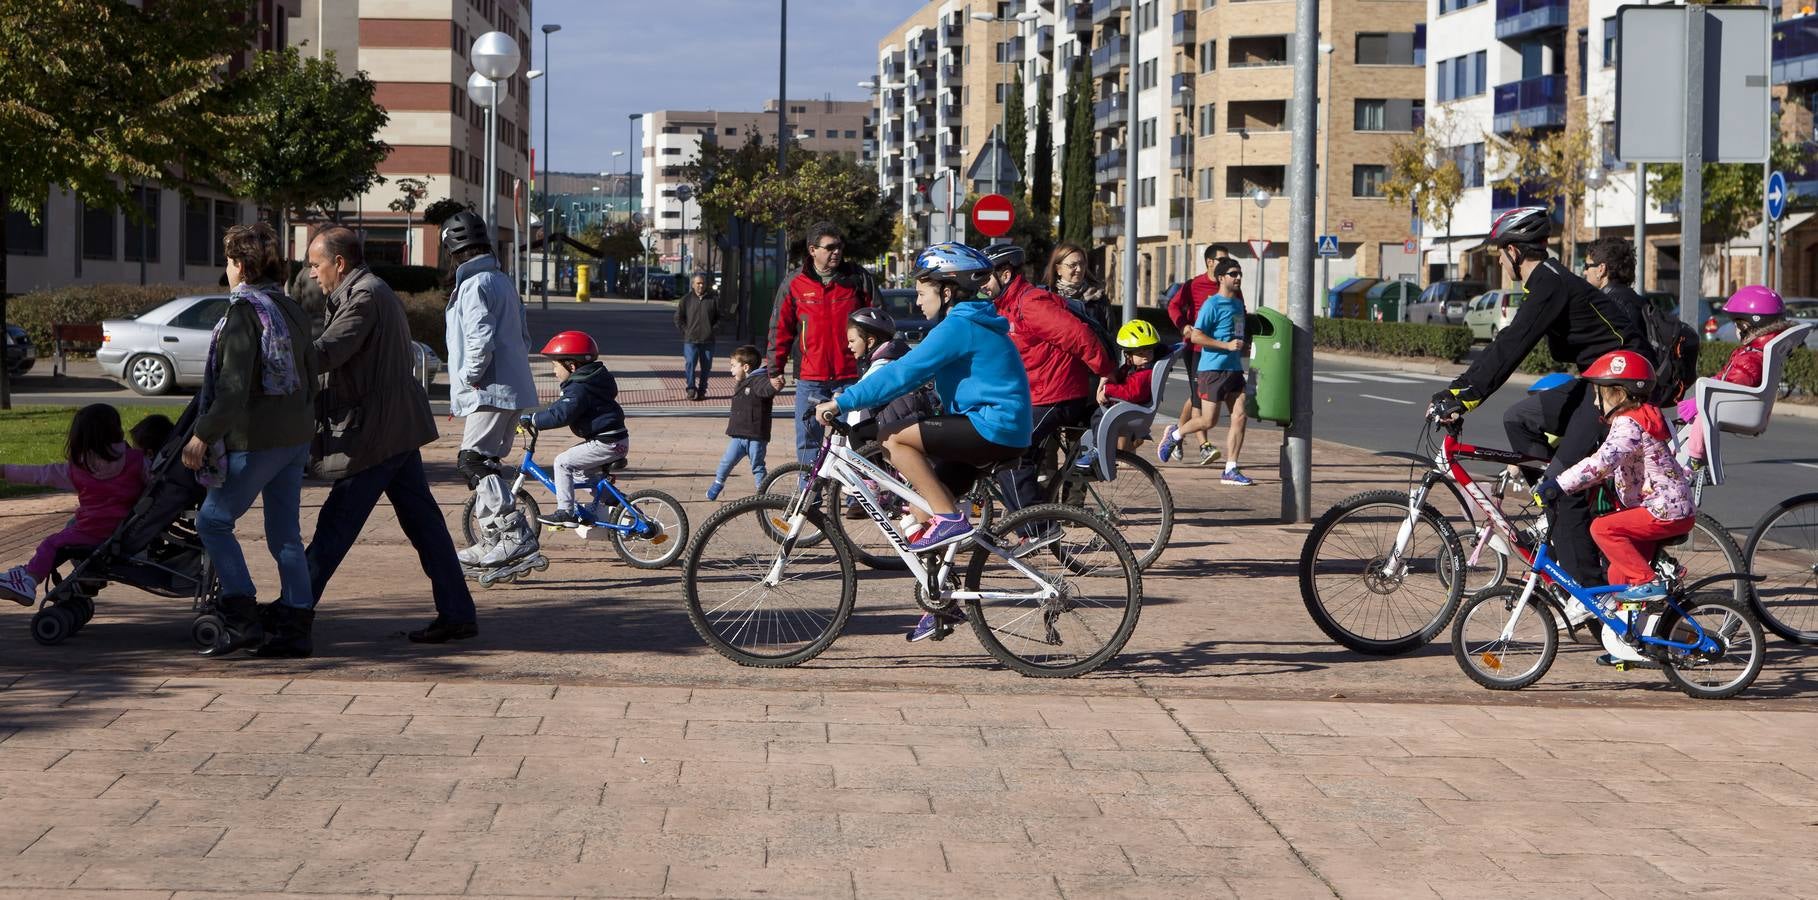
(1392, 338)
(81, 304)
(1801, 366)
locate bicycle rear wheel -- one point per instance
(1729, 671)
(1498, 663)
(785, 481)
(1137, 503)
(1709, 550)
(1352, 593)
(868, 545)
(1100, 593)
(666, 537)
(1783, 550)
(740, 610)
(470, 524)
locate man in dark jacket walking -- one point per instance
(696, 314)
(366, 356)
(813, 306)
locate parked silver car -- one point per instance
(166, 347)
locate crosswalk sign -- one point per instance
(1328, 245)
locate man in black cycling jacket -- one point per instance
(1580, 323)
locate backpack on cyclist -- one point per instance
(1105, 341)
(1673, 349)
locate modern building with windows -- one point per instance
(1212, 89)
(178, 240)
(672, 139)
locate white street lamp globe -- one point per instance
(1261, 198)
(1595, 179)
(495, 55)
(480, 90)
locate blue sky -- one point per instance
(616, 57)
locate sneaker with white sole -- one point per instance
(1233, 476)
(19, 586)
(930, 624)
(941, 531)
(1169, 443)
(1209, 454)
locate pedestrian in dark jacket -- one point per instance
(589, 406)
(813, 306)
(370, 389)
(753, 398)
(696, 314)
(252, 437)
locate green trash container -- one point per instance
(1271, 339)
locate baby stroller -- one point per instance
(155, 549)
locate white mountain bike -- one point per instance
(1051, 591)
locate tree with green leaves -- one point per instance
(1732, 191)
(1016, 128)
(1027, 230)
(1076, 164)
(101, 98)
(1553, 165)
(1424, 176)
(1041, 167)
(815, 188)
(318, 143)
(411, 192)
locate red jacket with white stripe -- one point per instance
(816, 313)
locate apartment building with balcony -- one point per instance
(673, 138)
(1794, 75)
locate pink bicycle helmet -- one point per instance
(1756, 305)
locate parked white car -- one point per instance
(1491, 312)
(166, 347)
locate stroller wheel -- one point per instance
(53, 625)
(206, 629)
(82, 609)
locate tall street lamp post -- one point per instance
(549, 212)
(530, 201)
(1325, 171)
(1261, 199)
(495, 57)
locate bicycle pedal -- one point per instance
(941, 631)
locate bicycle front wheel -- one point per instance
(1361, 597)
(1783, 551)
(1137, 503)
(1504, 663)
(1096, 585)
(763, 600)
(663, 537)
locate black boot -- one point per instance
(475, 466)
(291, 636)
(241, 628)
(442, 631)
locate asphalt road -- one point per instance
(1380, 409)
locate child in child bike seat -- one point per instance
(589, 406)
(1133, 382)
(1652, 489)
(1759, 314)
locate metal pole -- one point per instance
(1767, 224)
(1325, 180)
(548, 219)
(490, 191)
(1262, 261)
(1131, 142)
(1641, 223)
(1296, 468)
(782, 127)
(1691, 236)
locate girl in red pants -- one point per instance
(1653, 491)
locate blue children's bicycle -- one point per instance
(648, 528)
(1505, 638)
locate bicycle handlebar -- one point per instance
(836, 424)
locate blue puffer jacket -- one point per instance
(589, 405)
(975, 368)
(488, 348)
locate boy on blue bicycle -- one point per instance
(589, 406)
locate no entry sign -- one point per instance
(993, 215)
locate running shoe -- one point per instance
(561, 518)
(1233, 476)
(941, 531)
(1209, 454)
(1169, 443)
(1646, 591)
(930, 623)
(1086, 459)
(19, 586)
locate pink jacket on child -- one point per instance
(1637, 455)
(104, 495)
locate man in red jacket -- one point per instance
(1060, 352)
(1182, 311)
(813, 307)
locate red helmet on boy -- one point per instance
(571, 344)
(1623, 369)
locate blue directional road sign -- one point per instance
(1776, 196)
(1328, 245)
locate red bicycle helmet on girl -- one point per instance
(572, 345)
(1623, 369)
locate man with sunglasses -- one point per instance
(812, 307)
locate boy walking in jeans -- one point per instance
(753, 397)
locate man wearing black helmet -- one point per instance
(1580, 324)
(1060, 353)
(489, 378)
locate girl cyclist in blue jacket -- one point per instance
(983, 387)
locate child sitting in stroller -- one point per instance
(107, 476)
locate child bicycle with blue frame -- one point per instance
(1708, 646)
